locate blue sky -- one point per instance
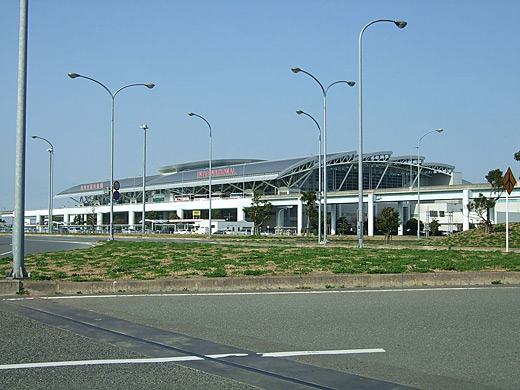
(454, 66)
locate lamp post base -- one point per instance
(20, 274)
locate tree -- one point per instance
(387, 222)
(92, 218)
(309, 198)
(410, 227)
(344, 226)
(78, 220)
(434, 227)
(259, 212)
(517, 156)
(482, 205)
(152, 215)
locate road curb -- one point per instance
(251, 283)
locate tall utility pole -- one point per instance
(18, 271)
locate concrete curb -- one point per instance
(251, 283)
(9, 287)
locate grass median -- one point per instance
(117, 260)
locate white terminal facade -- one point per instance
(179, 193)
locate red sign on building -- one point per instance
(217, 172)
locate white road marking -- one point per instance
(225, 355)
(65, 242)
(220, 294)
(98, 362)
(334, 352)
(69, 363)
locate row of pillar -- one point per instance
(281, 217)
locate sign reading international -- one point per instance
(217, 172)
(509, 181)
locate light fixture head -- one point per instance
(296, 70)
(191, 113)
(400, 23)
(439, 130)
(351, 83)
(144, 127)
(73, 75)
(34, 136)
(150, 85)
(299, 112)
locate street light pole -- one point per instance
(210, 161)
(419, 181)
(300, 112)
(144, 127)
(113, 97)
(324, 91)
(18, 245)
(399, 24)
(51, 153)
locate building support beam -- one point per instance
(400, 210)
(370, 214)
(240, 214)
(299, 224)
(333, 218)
(131, 218)
(465, 212)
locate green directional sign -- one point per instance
(509, 181)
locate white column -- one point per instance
(240, 214)
(400, 210)
(180, 213)
(333, 217)
(465, 211)
(280, 218)
(131, 218)
(66, 218)
(99, 219)
(370, 214)
(299, 223)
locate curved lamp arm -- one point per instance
(51, 150)
(300, 112)
(112, 95)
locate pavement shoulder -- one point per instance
(252, 283)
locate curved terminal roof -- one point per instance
(240, 170)
(169, 169)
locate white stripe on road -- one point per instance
(66, 242)
(98, 362)
(220, 294)
(225, 355)
(184, 358)
(334, 352)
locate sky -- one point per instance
(454, 66)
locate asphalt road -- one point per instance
(463, 338)
(41, 243)
(44, 243)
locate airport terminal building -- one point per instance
(181, 192)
